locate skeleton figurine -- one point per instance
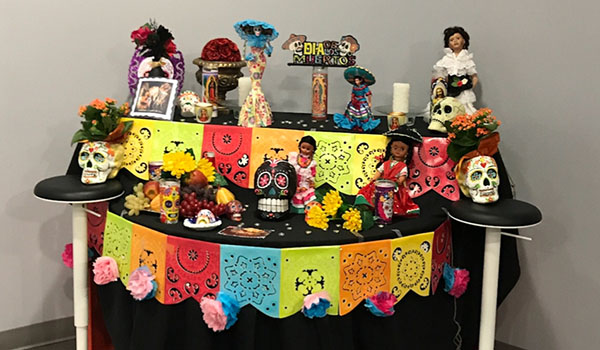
(275, 185)
(445, 110)
(100, 161)
(479, 179)
(348, 45)
(187, 102)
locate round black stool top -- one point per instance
(70, 189)
(505, 213)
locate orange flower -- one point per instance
(110, 100)
(104, 114)
(98, 104)
(451, 136)
(82, 110)
(94, 122)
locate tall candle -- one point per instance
(401, 96)
(244, 85)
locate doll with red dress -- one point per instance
(394, 167)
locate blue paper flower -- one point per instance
(317, 310)
(152, 293)
(230, 306)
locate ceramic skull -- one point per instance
(275, 185)
(445, 110)
(100, 161)
(187, 102)
(479, 179)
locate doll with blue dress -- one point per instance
(258, 35)
(358, 115)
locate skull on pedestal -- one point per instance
(479, 179)
(100, 161)
(275, 185)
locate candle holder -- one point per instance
(228, 75)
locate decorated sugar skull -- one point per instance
(205, 217)
(275, 185)
(445, 110)
(479, 179)
(100, 161)
(235, 210)
(187, 102)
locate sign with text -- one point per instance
(328, 53)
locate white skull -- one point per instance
(297, 47)
(100, 161)
(344, 48)
(187, 102)
(480, 179)
(445, 110)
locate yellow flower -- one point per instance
(206, 167)
(317, 218)
(331, 203)
(178, 163)
(353, 222)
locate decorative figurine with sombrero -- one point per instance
(258, 35)
(358, 115)
(393, 168)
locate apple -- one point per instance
(198, 178)
(151, 189)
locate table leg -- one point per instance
(80, 278)
(489, 293)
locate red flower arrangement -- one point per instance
(154, 40)
(221, 49)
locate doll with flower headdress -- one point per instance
(393, 166)
(258, 35)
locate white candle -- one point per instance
(244, 84)
(401, 96)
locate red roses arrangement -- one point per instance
(154, 40)
(221, 49)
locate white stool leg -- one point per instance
(80, 275)
(489, 293)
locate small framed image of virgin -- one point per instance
(155, 98)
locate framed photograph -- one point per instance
(155, 98)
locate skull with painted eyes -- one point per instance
(275, 185)
(480, 179)
(100, 161)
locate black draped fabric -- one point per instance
(418, 323)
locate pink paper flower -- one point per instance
(214, 316)
(140, 283)
(67, 255)
(461, 281)
(384, 301)
(313, 299)
(105, 270)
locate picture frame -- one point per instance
(155, 98)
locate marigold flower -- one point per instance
(178, 163)
(207, 168)
(353, 222)
(317, 218)
(331, 203)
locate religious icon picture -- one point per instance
(154, 98)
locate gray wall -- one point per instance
(538, 71)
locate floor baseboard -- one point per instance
(39, 333)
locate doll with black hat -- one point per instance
(394, 167)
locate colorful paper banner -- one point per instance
(117, 243)
(192, 269)
(173, 137)
(138, 147)
(411, 265)
(271, 143)
(307, 271)
(365, 149)
(432, 169)
(334, 160)
(364, 272)
(148, 249)
(252, 275)
(232, 147)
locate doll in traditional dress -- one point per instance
(458, 68)
(258, 35)
(358, 115)
(394, 167)
(306, 169)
